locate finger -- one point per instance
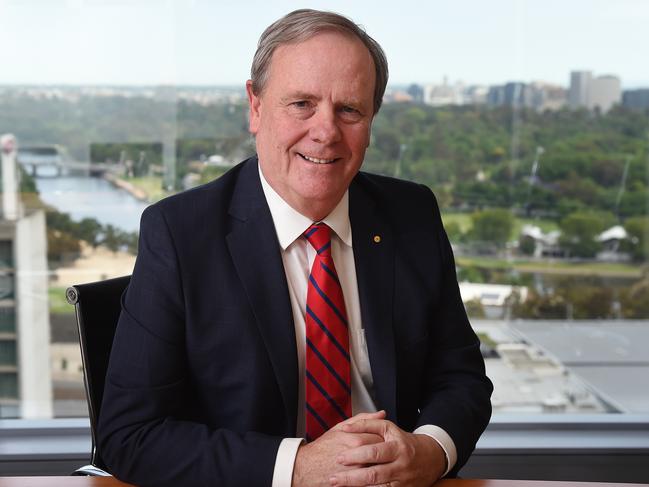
(377, 415)
(356, 440)
(376, 426)
(370, 454)
(374, 475)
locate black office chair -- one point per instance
(97, 306)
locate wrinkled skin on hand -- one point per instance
(316, 462)
(402, 459)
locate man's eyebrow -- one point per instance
(302, 95)
(298, 95)
(352, 102)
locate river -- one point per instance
(90, 197)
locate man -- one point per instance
(295, 297)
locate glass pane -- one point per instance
(540, 167)
(6, 254)
(7, 320)
(7, 353)
(8, 391)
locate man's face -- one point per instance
(312, 120)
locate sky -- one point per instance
(211, 42)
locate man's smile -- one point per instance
(317, 160)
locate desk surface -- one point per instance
(525, 483)
(112, 482)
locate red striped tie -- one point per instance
(328, 383)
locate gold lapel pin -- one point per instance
(377, 239)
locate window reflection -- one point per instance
(543, 187)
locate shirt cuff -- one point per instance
(285, 461)
(444, 440)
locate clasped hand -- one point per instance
(368, 450)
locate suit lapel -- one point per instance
(374, 256)
(256, 255)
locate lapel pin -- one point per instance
(377, 239)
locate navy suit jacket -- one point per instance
(203, 378)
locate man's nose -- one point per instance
(324, 128)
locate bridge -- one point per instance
(49, 156)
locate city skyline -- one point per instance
(112, 42)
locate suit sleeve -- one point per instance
(148, 432)
(456, 395)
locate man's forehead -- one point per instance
(302, 57)
(301, 46)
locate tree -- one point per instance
(492, 226)
(638, 230)
(589, 302)
(454, 231)
(89, 230)
(111, 238)
(61, 246)
(474, 308)
(527, 245)
(635, 300)
(579, 229)
(540, 307)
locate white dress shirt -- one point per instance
(298, 256)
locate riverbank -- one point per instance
(135, 191)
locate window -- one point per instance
(540, 166)
(7, 353)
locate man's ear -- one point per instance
(254, 103)
(369, 133)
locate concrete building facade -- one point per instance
(605, 92)
(579, 92)
(25, 381)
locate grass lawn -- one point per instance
(58, 304)
(152, 185)
(611, 269)
(462, 219)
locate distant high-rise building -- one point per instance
(539, 96)
(605, 92)
(601, 92)
(519, 94)
(476, 95)
(636, 99)
(444, 94)
(579, 92)
(509, 94)
(496, 96)
(548, 96)
(416, 92)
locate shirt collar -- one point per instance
(290, 224)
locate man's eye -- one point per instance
(300, 104)
(350, 113)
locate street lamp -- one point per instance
(533, 178)
(397, 167)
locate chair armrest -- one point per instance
(90, 471)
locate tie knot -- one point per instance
(319, 236)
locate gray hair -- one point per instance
(301, 25)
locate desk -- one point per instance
(523, 483)
(112, 482)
